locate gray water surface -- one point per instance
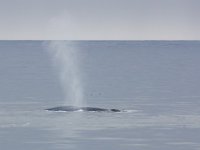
(156, 81)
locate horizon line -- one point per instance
(90, 40)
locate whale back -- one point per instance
(74, 108)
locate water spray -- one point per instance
(66, 59)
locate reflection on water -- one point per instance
(87, 130)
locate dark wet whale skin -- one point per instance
(74, 108)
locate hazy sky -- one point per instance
(100, 19)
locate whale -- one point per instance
(87, 109)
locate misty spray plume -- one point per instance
(66, 59)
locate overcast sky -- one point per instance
(100, 19)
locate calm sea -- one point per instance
(158, 81)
